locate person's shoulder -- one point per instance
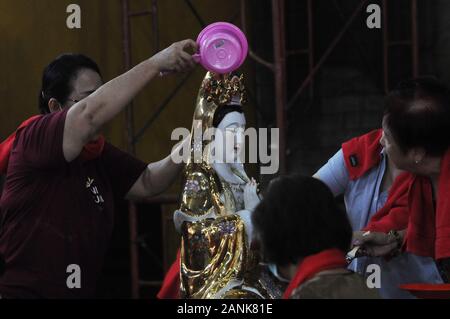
(42, 122)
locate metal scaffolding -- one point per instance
(127, 15)
(388, 43)
(278, 67)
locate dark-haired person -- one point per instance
(416, 127)
(372, 184)
(62, 177)
(301, 229)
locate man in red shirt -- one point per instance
(62, 177)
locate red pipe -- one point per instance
(385, 27)
(327, 53)
(132, 217)
(310, 45)
(278, 22)
(414, 40)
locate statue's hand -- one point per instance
(251, 198)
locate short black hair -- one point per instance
(426, 125)
(299, 217)
(221, 111)
(58, 75)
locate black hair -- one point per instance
(224, 110)
(299, 217)
(58, 75)
(425, 125)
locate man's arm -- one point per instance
(85, 118)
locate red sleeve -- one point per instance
(41, 142)
(123, 169)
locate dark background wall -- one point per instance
(349, 87)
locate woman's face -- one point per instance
(86, 82)
(229, 140)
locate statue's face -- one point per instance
(229, 139)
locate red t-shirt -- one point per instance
(54, 214)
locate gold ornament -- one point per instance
(216, 261)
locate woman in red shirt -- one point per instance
(62, 177)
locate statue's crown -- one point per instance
(224, 89)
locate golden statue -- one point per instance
(216, 256)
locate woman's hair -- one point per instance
(298, 217)
(224, 110)
(417, 112)
(58, 76)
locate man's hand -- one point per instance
(174, 58)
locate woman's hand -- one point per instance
(174, 58)
(376, 244)
(251, 198)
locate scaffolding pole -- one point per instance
(279, 48)
(388, 43)
(127, 15)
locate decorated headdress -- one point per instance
(216, 90)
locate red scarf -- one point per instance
(362, 153)
(90, 151)
(428, 231)
(311, 265)
(394, 215)
(93, 149)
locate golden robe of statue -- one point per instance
(216, 258)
